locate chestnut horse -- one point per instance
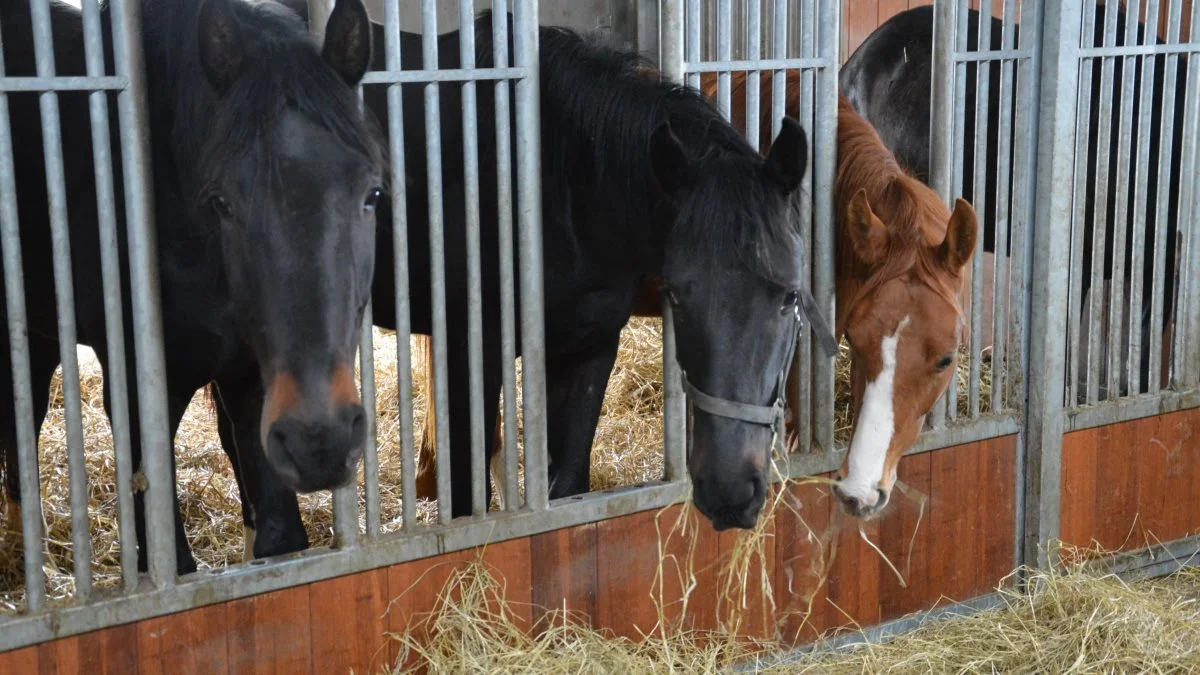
(902, 267)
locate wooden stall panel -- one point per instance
(563, 569)
(270, 633)
(188, 642)
(1133, 484)
(349, 624)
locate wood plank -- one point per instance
(413, 591)
(194, 641)
(20, 661)
(563, 568)
(1077, 496)
(950, 470)
(743, 603)
(271, 633)
(1116, 485)
(861, 20)
(800, 588)
(1152, 470)
(999, 512)
(348, 624)
(888, 9)
(60, 656)
(109, 651)
(856, 572)
(905, 540)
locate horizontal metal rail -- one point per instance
(63, 83)
(756, 65)
(1130, 408)
(448, 75)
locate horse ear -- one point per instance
(669, 160)
(348, 40)
(221, 50)
(868, 235)
(959, 245)
(788, 158)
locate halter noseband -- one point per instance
(766, 415)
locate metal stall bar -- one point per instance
(1021, 210)
(674, 400)
(941, 110)
(806, 17)
(753, 16)
(479, 474)
(691, 43)
(508, 310)
(529, 235)
(366, 366)
(979, 174)
(399, 196)
(1162, 214)
(1003, 201)
(437, 259)
(1117, 371)
(957, 130)
(157, 446)
(1100, 222)
(1075, 304)
(64, 295)
(63, 83)
(1057, 64)
(345, 499)
(18, 336)
(724, 55)
(824, 151)
(116, 376)
(1188, 316)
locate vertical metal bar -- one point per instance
(1118, 366)
(724, 54)
(366, 366)
(114, 324)
(318, 17)
(1057, 63)
(479, 460)
(1001, 257)
(18, 336)
(399, 195)
(1078, 225)
(1162, 213)
(824, 164)
(979, 174)
(753, 34)
(1100, 221)
(1022, 208)
(692, 43)
(143, 275)
(941, 108)
(508, 310)
(804, 364)
(779, 32)
(64, 294)
(1187, 315)
(958, 171)
(1140, 196)
(437, 259)
(529, 235)
(674, 401)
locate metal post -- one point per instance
(1057, 62)
(674, 401)
(1187, 311)
(147, 311)
(366, 366)
(529, 235)
(824, 166)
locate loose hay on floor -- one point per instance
(627, 450)
(1071, 622)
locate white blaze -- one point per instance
(875, 428)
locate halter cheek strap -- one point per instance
(766, 415)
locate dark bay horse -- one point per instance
(266, 178)
(902, 266)
(641, 179)
(888, 80)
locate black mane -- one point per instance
(600, 107)
(284, 70)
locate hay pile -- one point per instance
(1071, 621)
(627, 450)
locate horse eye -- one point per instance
(945, 362)
(221, 207)
(372, 200)
(790, 302)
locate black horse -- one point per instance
(266, 178)
(888, 80)
(641, 178)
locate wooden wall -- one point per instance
(963, 547)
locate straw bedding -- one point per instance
(627, 450)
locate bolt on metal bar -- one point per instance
(824, 132)
(116, 375)
(157, 446)
(470, 112)
(399, 226)
(64, 294)
(529, 235)
(674, 401)
(18, 337)
(508, 309)
(1058, 66)
(366, 366)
